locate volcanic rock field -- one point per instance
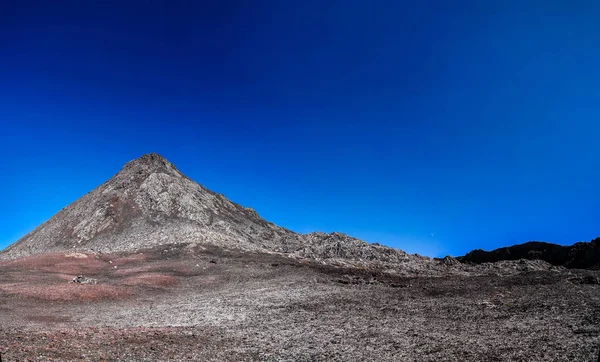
(151, 266)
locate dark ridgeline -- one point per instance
(582, 255)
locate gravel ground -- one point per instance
(181, 303)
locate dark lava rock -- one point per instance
(582, 255)
(585, 279)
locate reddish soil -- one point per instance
(151, 279)
(183, 303)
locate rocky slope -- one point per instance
(582, 255)
(149, 202)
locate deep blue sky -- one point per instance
(429, 127)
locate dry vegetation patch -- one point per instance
(55, 262)
(151, 279)
(129, 259)
(65, 292)
(76, 255)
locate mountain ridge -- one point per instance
(149, 202)
(580, 255)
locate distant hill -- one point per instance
(582, 255)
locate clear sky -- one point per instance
(431, 126)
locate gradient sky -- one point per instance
(429, 127)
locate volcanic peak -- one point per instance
(151, 163)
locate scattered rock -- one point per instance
(487, 304)
(80, 279)
(76, 255)
(449, 261)
(395, 285)
(585, 279)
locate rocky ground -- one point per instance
(204, 303)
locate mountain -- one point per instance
(582, 255)
(149, 202)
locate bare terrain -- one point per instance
(151, 266)
(187, 302)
